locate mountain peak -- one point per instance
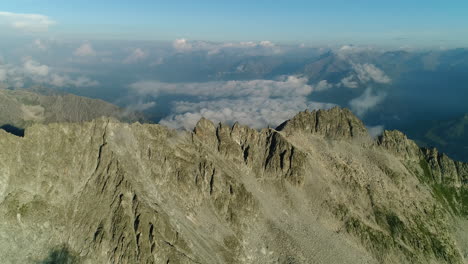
(336, 123)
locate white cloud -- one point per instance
(369, 72)
(84, 50)
(36, 73)
(140, 106)
(182, 45)
(212, 48)
(289, 86)
(34, 68)
(39, 44)
(59, 80)
(349, 82)
(64, 81)
(323, 85)
(257, 103)
(375, 131)
(253, 111)
(354, 49)
(363, 74)
(266, 43)
(362, 104)
(26, 22)
(348, 51)
(136, 55)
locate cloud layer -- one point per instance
(27, 22)
(289, 86)
(255, 112)
(257, 103)
(37, 73)
(212, 48)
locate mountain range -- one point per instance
(21, 108)
(317, 189)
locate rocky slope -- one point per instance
(21, 108)
(317, 189)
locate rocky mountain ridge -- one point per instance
(22, 108)
(318, 189)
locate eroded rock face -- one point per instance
(335, 123)
(109, 192)
(398, 144)
(441, 169)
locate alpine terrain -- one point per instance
(317, 189)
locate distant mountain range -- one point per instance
(22, 108)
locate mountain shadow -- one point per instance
(60, 255)
(13, 130)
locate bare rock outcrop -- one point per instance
(336, 123)
(111, 192)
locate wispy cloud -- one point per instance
(182, 45)
(349, 82)
(368, 100)
(363, 74)
(65, 81)
(39, 44)
(375, 131)
(369, 72)
(86, 49)
(323, 85)
(136, 55)
(34, 68)
(288, 86)
(212, 48)
(26, 22)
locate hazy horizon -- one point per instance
(258, 63)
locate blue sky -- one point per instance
(321, 22)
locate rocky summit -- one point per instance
(317, 189)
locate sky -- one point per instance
(256, 62)
(430, 22)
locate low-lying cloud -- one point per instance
(34, 68)
(135, 56)
(323, 85)
(364, 74)
(86, 49)
(212, 48)
(367, 101)
(289, 86)
(375, 131)
(255, 112)
(37, 73)
(369, 72)
(257, 103)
